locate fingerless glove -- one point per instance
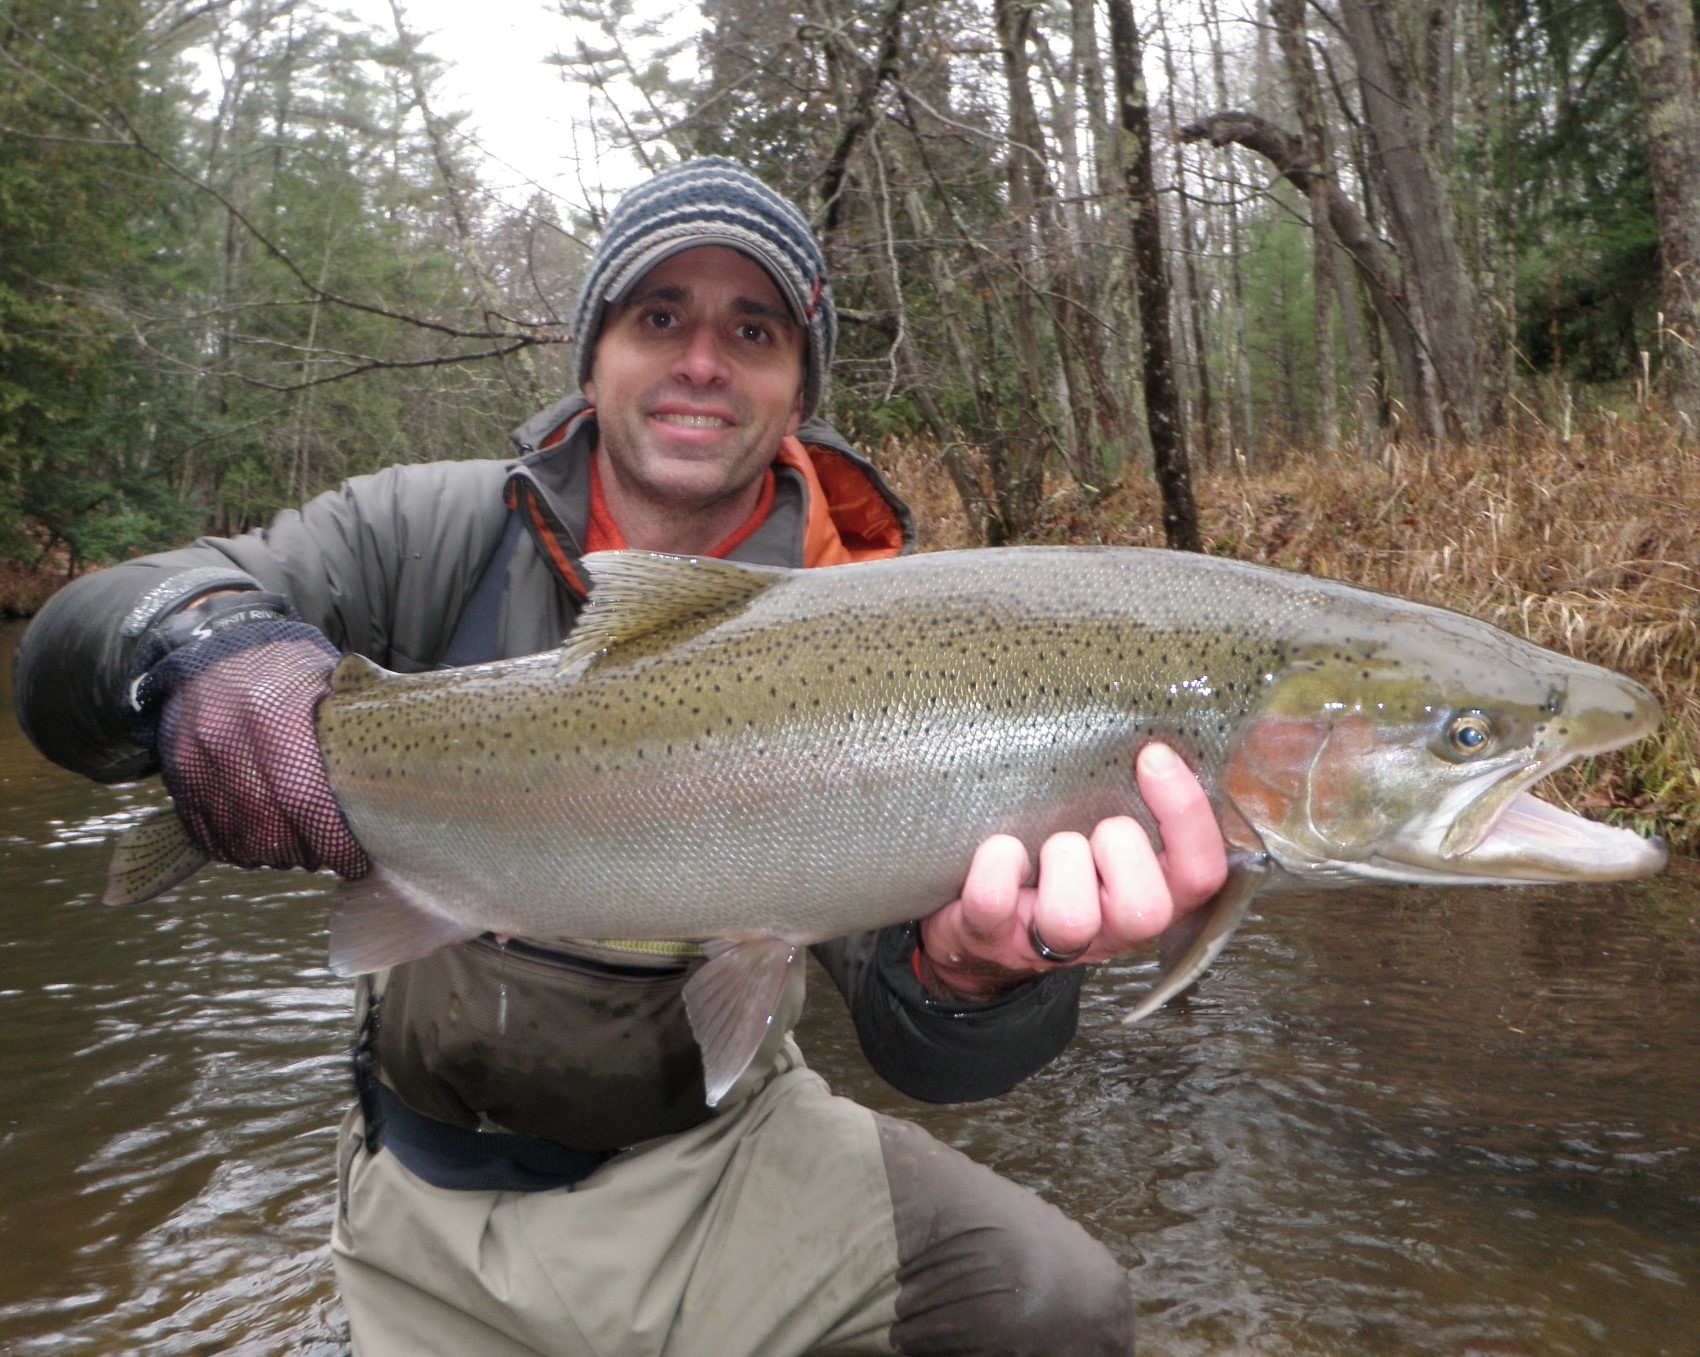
(225, 694)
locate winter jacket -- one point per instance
(581, 1045)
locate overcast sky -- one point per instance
(526, 119)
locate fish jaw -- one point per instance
(1533, 840)
(1363, 786)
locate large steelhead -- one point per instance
(770, 757)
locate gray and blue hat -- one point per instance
(712, 202)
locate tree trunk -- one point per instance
(1018, 464)
(1237, 423)
(1375, 262)
(1491, 75)
(1334, 266)
(1051, 270)
(1404, 75)
(1667, 66)
(1289, 20)
(883, 68)
(1162, 400)
(1203, 426)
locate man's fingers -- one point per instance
(1137, 905)
(1195, 862)
(999, 869)
(1066, 913)
(1095, 898)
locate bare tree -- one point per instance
(1237, 405)
(526, 379)
(1203, 426)
(1333, 272)
(1667, 67)
(1162, 399)
(1376, 263)
(1403, 52)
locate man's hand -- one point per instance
(227, 699)
(1093, 899)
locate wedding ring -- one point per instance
(1047, 953)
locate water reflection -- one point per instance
(1390, 1123)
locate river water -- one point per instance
(1389, 1122)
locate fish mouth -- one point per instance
(1503, 833)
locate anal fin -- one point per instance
(731, 1004)
(1190, 944)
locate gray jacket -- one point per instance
(591, 1049)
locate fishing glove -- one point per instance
(224, 693)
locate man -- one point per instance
(532, 1167)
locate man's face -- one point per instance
(697, 377)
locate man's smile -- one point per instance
(692, 421)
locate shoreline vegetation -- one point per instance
(1589, 545)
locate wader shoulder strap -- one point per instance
(475, 634)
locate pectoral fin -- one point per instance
(1189, 945)
(374, 925)
(731, 1003)
(152, 856)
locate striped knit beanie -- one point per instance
(712, 202)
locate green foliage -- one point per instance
(210, 308)
(1589, 295)
(101, 491)
(1279, 319)
(70, 191)
(1586, 237)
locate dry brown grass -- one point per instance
(1590, 546)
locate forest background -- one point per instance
(1406, 292)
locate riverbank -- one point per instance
(1589, 545)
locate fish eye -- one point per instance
(1469, 735)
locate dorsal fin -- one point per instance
(636, 592)
(355, 672)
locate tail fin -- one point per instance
(151, 858)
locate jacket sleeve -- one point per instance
(381, 566)
(947, 1052)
